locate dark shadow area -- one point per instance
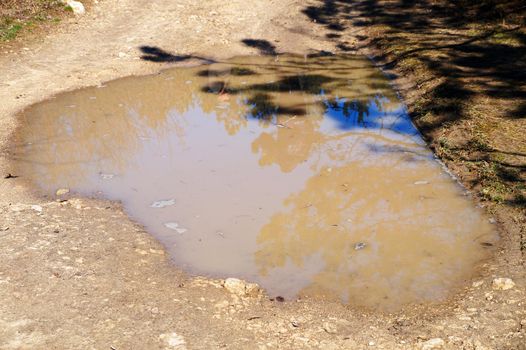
(468, 59)
(155, 54)
(158, 55)
(264, 46)
(236, 71)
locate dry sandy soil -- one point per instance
(80, 274)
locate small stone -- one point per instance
(371, 343)
(36, 208)
(477, 284)
(4, 228)
(62, 191)
(173, 340)
(359, 246)
(76, 6)
(330, 328)
(241, 288)
(503, 284)
(431, 344)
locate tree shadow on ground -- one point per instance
(469, 58)
(264, 46)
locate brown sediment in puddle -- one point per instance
(303, 174)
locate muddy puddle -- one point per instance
(303, 174)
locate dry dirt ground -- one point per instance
(80, 275)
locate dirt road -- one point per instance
(80, 274)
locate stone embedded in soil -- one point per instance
(37, 208)
(431, 344)
(241, 288)
(477, 284)
(330, 328)
(76, 7)
(173, 340)
(503, 283)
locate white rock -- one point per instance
(502, 283)
(241, 288)
(432, 344)
(36, 208)
(173, 340)
(76, 6)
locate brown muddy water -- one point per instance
(303, 174)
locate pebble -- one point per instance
(76, 6)
(330, 328)
(502, 284)
(173, 340)
(431, 344)
(36, 208)
(241, 288)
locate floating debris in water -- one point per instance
(162, 203)
(175, 226)
(421, 182)
(107, 176)
(359, 246)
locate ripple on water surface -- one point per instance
(303, 174)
